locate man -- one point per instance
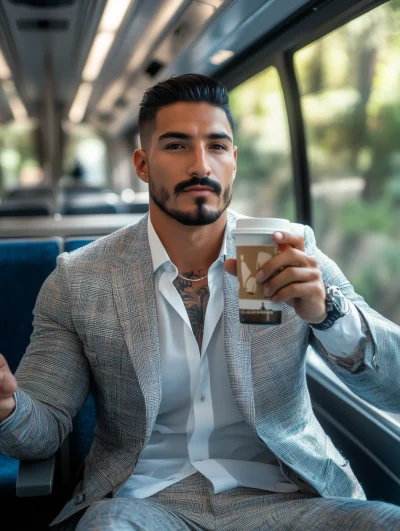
(203, 423)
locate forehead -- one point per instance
(192, 118)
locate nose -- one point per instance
(199, 164)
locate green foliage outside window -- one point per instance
(18, 160)
(350, 87)
(263, 187)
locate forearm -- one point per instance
(30, 432)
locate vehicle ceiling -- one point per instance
(46, 44)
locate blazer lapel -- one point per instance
(133, 290)
(237, 343)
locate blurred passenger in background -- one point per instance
(76, 177)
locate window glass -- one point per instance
(350, 94)
(19, 166)
(263, 186)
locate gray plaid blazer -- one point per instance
(96, 319)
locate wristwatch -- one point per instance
(336, 307)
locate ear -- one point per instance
(140, 162)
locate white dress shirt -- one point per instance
(199, 427)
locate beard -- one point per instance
(203, 214)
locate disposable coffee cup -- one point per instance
(254, 248)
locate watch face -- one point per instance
(339, 300)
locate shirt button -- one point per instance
(202, 398)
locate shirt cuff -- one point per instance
(9, 419)
(345, 338)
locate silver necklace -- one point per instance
(192, 279)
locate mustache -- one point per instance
(199, 181)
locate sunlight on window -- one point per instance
(18, 163)
(350, 96)
(263, 186)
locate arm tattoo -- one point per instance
(195, 300)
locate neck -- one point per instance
(191, 249)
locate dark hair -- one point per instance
(187, 87)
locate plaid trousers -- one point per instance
(192, 505)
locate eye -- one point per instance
(219, 147)
(174, 146)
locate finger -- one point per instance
(291, 275)
(8, 385)
(230, 266)
(288, 238)
(289, 258)
(297, 290)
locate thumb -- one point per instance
(8, 386)
(4, 365)
(230, 266)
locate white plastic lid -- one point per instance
(261, 225)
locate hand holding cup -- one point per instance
(290, 276)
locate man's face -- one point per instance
(190, 145)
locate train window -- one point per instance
(19, 166)
(85, 157)
(264, 183)
(350, 95)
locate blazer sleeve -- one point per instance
(52, 378)
(376, 377)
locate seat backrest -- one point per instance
(71, 244)
(84, 210)
(31, 192)
(137, 208)
(71, 190)
(24, 266)
(12, 208)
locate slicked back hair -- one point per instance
(187, 88)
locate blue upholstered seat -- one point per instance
(71, 244)
(24, 266)
(83, 430)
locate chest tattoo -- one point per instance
(195, 299)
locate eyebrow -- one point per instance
(184, 136)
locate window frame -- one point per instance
(312, 24)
